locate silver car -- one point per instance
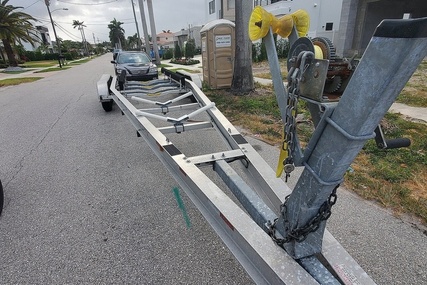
(137, 65)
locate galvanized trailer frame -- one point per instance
(244, 234)
(246, 228)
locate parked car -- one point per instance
(137, 65)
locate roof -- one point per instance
(217, 22)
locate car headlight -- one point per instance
(119, 70)
(153, 68)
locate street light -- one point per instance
(54, 31)
(65, 9)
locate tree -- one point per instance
(80, 26)
(133, 41)
(117, 33)
(190, 48)
(178, 53)
(15, 27)
(243, 80)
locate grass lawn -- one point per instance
(16, 81)
(394, 178)
(39, 64)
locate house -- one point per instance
(165, 39)
(220, 9)
(183, 35)
(324, 15)
(43, 38)
(349, 24)
(359, 19)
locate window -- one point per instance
(212, 7)
(329, 26)
(230, 4)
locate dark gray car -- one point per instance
(137, 65)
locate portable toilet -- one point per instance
(218, 46)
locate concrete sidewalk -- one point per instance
(417, 113)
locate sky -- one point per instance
(172, 15)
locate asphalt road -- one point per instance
(87, 202)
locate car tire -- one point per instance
(122, 80)
(107, 106)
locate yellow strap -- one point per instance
(283, 155)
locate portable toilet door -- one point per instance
(218, 47)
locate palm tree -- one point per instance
(242, 81)
(15, 27)
(117, 33)
(133, 41)
(80, 26)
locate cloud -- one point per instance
(171, 15)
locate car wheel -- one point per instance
(122, 80)
(107, 106)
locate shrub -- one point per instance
(178, 53)
(190, 48)
(168, 54)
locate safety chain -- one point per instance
(288, 145)
(300, 234)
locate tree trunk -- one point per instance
(9, 52)
(243, 80)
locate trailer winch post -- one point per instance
(393, 54)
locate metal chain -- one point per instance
(290, 120)
(294, 77)
(300, 234)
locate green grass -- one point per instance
(163, 65)
(17, 81)
(415, 92)
(39, 64)
(395, 178)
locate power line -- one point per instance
(67, 32)
(87, 4)
(32, 4)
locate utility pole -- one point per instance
(84, 41)
(144, 26)
(47, 2)
(153, 30)
(136, 24)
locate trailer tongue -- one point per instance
(278, 234)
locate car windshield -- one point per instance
(133, 58)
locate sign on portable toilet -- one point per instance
(218, 46)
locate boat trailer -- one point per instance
(278, 234)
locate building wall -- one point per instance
(216, 12)
(228, 10)
(361, 17)
(324, 15)
(348, 23)
(182, 36)
(43, 37)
